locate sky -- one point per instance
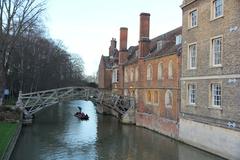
(86, 27)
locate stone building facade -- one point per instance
(210, 82)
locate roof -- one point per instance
(169, 47)
(107, 62)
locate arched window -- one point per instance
(126, 75)
(149, 97)
(170, 70)
(160, 71)
(131, 74)
(168, 99)
(149, 72)
(136, 74)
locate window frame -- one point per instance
(178, 39)
(190, 56)
(170, 94)
(213, 9)
(212, 96)
(190, 18)
(126, 75)
(115, 76)
(160, 70)
(189, 96)
(159, 45)
(170, 69)
(136, 73)
(212, 52)
(149, 72)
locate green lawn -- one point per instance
(7, 130)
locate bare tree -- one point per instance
(17, 18)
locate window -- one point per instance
(193, 18)
(217, 8)
(155, 97)
(159, 45)
(126, 75)
(149, 97)
(216, 92)
(136, 74)
(149, 72)
(170, 70)
(160, 71)
(178, 39)
(216, 51)
(115, 76)
(125, 92)
(131, 74)
(192, 94)
(192, 56)
(168, 99)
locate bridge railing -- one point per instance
(35, 101)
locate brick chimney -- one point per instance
(112, 46)
(123, 45)
(144, 42)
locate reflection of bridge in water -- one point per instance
(33, 102)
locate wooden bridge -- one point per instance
(32, 103)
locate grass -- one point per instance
(7, 130)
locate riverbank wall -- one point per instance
(217, 140)
(203, 136)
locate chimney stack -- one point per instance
(144, 42)
(123, 38)
(112, 46)
(123, 53)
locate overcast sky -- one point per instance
(87, 26)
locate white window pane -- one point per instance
(216, 94)
(217, 51)
(193, 56)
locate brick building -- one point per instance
(210, 83)
(106, 65)
(205, 53)
(150, 71)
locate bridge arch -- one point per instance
(31, 103)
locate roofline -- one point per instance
(159, 36)
(166, 33)
(186, 4)
(159, 56)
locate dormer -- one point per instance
(159, 45)
(178, 39)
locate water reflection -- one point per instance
(57, 134)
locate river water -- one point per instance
(57, 135)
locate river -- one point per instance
(57, 135)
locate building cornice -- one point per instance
(230, 76)
(186, 4)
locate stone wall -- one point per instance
(223, 142)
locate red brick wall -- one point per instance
(158, 117)
(104, 76)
